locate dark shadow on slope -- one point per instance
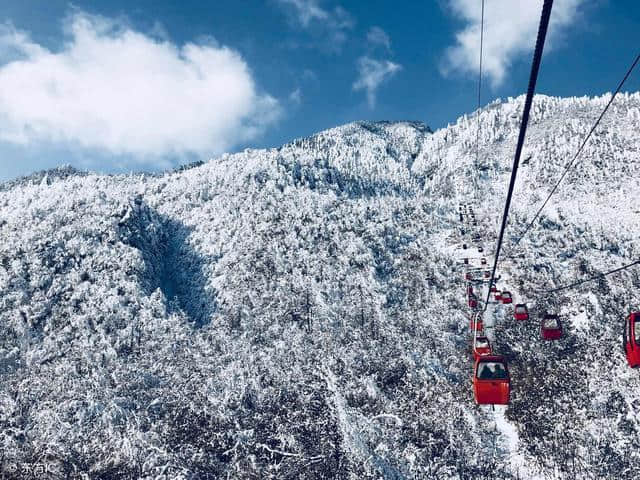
(171, 264)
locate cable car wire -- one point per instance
(535, 67)
(570, 164)
(600, 275)
(475, 333)
(479, 90)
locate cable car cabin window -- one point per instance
(550, 323)
(482, 343)
(520, 309)
(492, 371)
(636, 327)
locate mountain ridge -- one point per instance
(300, 311)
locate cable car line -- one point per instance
(479, 96)
(570, 164)
(600, 275)
(475, 334)
(535, 67)
(491, 380)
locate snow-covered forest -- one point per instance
(300, 312)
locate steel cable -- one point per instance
(595, 277)
(535, 67)
(570, 164)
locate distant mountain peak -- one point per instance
(47, 176)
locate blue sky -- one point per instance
(146, 85)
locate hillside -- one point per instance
(300, 313)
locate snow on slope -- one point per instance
(299, 312)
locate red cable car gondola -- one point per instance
(476, 324)
(551, 327)
(482, 347)
(491, 385)
(498, 295)
(631, 337)
(473, 301)
(521, 312)
(505, 297)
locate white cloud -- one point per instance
(372, 74)
(377, 36)
(510, 29)
(309, 75)
(295, 97)
(331, 25)
(307, 11)
(118, 91)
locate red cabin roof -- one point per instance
(482, 347)
(491, 384)
(521, 312)
(631, 338)
(505, 297)
(551, 328)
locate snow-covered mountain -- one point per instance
(300, 312)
